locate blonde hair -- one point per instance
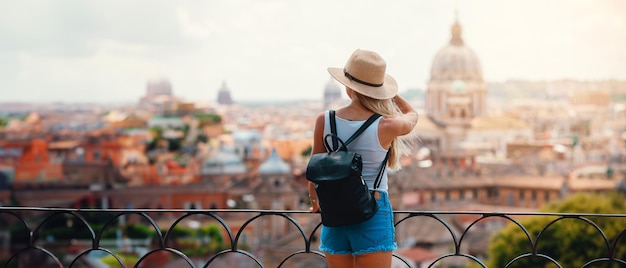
(400, 145)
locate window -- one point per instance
(492, 193)
(192, 205)
(73, 174)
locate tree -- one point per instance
(3, 121)
(307, 151)
(572, 242)
(208, 119)
(157, 135)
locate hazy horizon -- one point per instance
(106, 52)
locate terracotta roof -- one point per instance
(525, 181)
(63, 144)
(417, 254)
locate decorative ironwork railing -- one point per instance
(57, 237)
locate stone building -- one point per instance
(457, 118)
(223, 95)
(332, 94)
(159, 97)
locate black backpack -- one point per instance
(342, 193)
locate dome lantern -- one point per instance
(456, 61)
(457, 39)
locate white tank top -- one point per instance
(366, 144)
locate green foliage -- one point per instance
(216, 241)
(200, 242)
(157, 135)
(19, 233)
(152, 145)
(66, 227)
(178, 231)
(208, 119)
(202, 138)
(307, 152)
(129, 260)
(138, 231)
(174, 144)
(157, 132)
(570, 241)
(4, 121)
(186, 130)
(109, 233)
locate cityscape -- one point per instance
(483, 146)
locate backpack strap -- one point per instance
(366, 124)
(379, 177)
(358, 132)
(333, 128)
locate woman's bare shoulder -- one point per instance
(320, 117)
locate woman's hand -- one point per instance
(315, 203)
(405, 122)
(315, 206)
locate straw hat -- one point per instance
(365, 73)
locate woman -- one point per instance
(371, 90)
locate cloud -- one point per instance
(190, 28)
(107, 50)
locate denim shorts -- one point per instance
(374, 235)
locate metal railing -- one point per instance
(293, 246)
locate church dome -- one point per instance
(456, 61)
(274, 165)
(332, 88)
(332, 93)
(223, 95)
(223, 161)
(159, 87)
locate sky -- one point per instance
(267, 50)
